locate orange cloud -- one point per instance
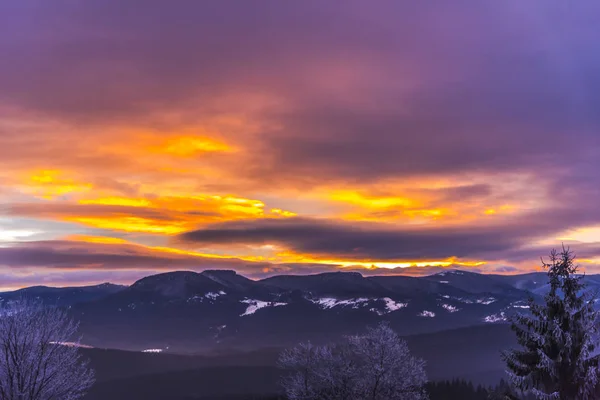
(188, 146)
(49, 184)
(155, 215)
(117, 201)
(427, 204)
(293, 257)
(96, 239)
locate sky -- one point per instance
(270, 137)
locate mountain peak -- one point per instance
(230, 279)
(456, 272)
(339, 283)
(219, 272)
(342, 273)
(177, 284)
(166, 277)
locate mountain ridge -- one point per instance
(189, 312)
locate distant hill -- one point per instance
(191, 313)
(341, 284)
(64, 296)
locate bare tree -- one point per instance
(387, 369)
(335, 373)
(39, 357)
(303, 360)
(374, 366)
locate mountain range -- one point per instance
(189, 312)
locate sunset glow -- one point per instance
(130, 144)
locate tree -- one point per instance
(373, 366)
(39, 355)
(457, 389)
(303, 360)
(319, 372)
(387, 370)
(558, 338)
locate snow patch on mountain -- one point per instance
(330, 302)
(255, 305)
(453, 272)
(390, 306)
(485, 301)
(212, 296)
(450, 308)
(428, 314)
(520, 304)
(218, 330)
(495, 318)
(152, 351)
(73, 344)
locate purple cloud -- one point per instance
(321, 95)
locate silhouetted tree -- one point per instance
(557, 339)
(465, 390)
(456, 389)
(39, 358)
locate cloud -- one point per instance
(357, 241)
(111, 255)
(502, 239)
(97, 259)
(350, 94)
(26, 277)
(373, 92)
(506, 269)
(91, 260)
(396, 131)
(159, 215)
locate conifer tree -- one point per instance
(558, 338)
